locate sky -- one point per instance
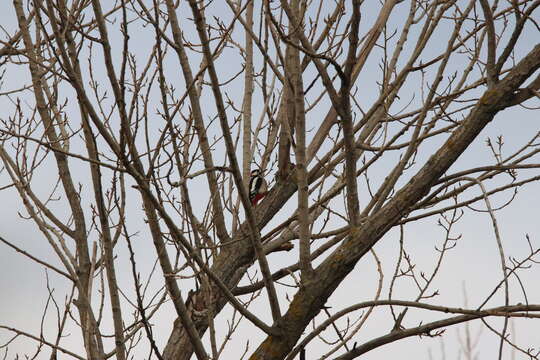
(469, 271)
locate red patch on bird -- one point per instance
(257, 198)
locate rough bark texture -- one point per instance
(308, 301)
(230, 264)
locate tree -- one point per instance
(129, 131)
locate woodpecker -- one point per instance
(258, 188)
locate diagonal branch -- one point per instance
(309, 299)
(427, 328)
(217, 207)
(255, 234)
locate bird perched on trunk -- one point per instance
(258, 188)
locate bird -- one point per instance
(258, 188)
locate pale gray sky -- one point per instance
(474, 264)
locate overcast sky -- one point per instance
(472, 267)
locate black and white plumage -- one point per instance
(258, 188)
